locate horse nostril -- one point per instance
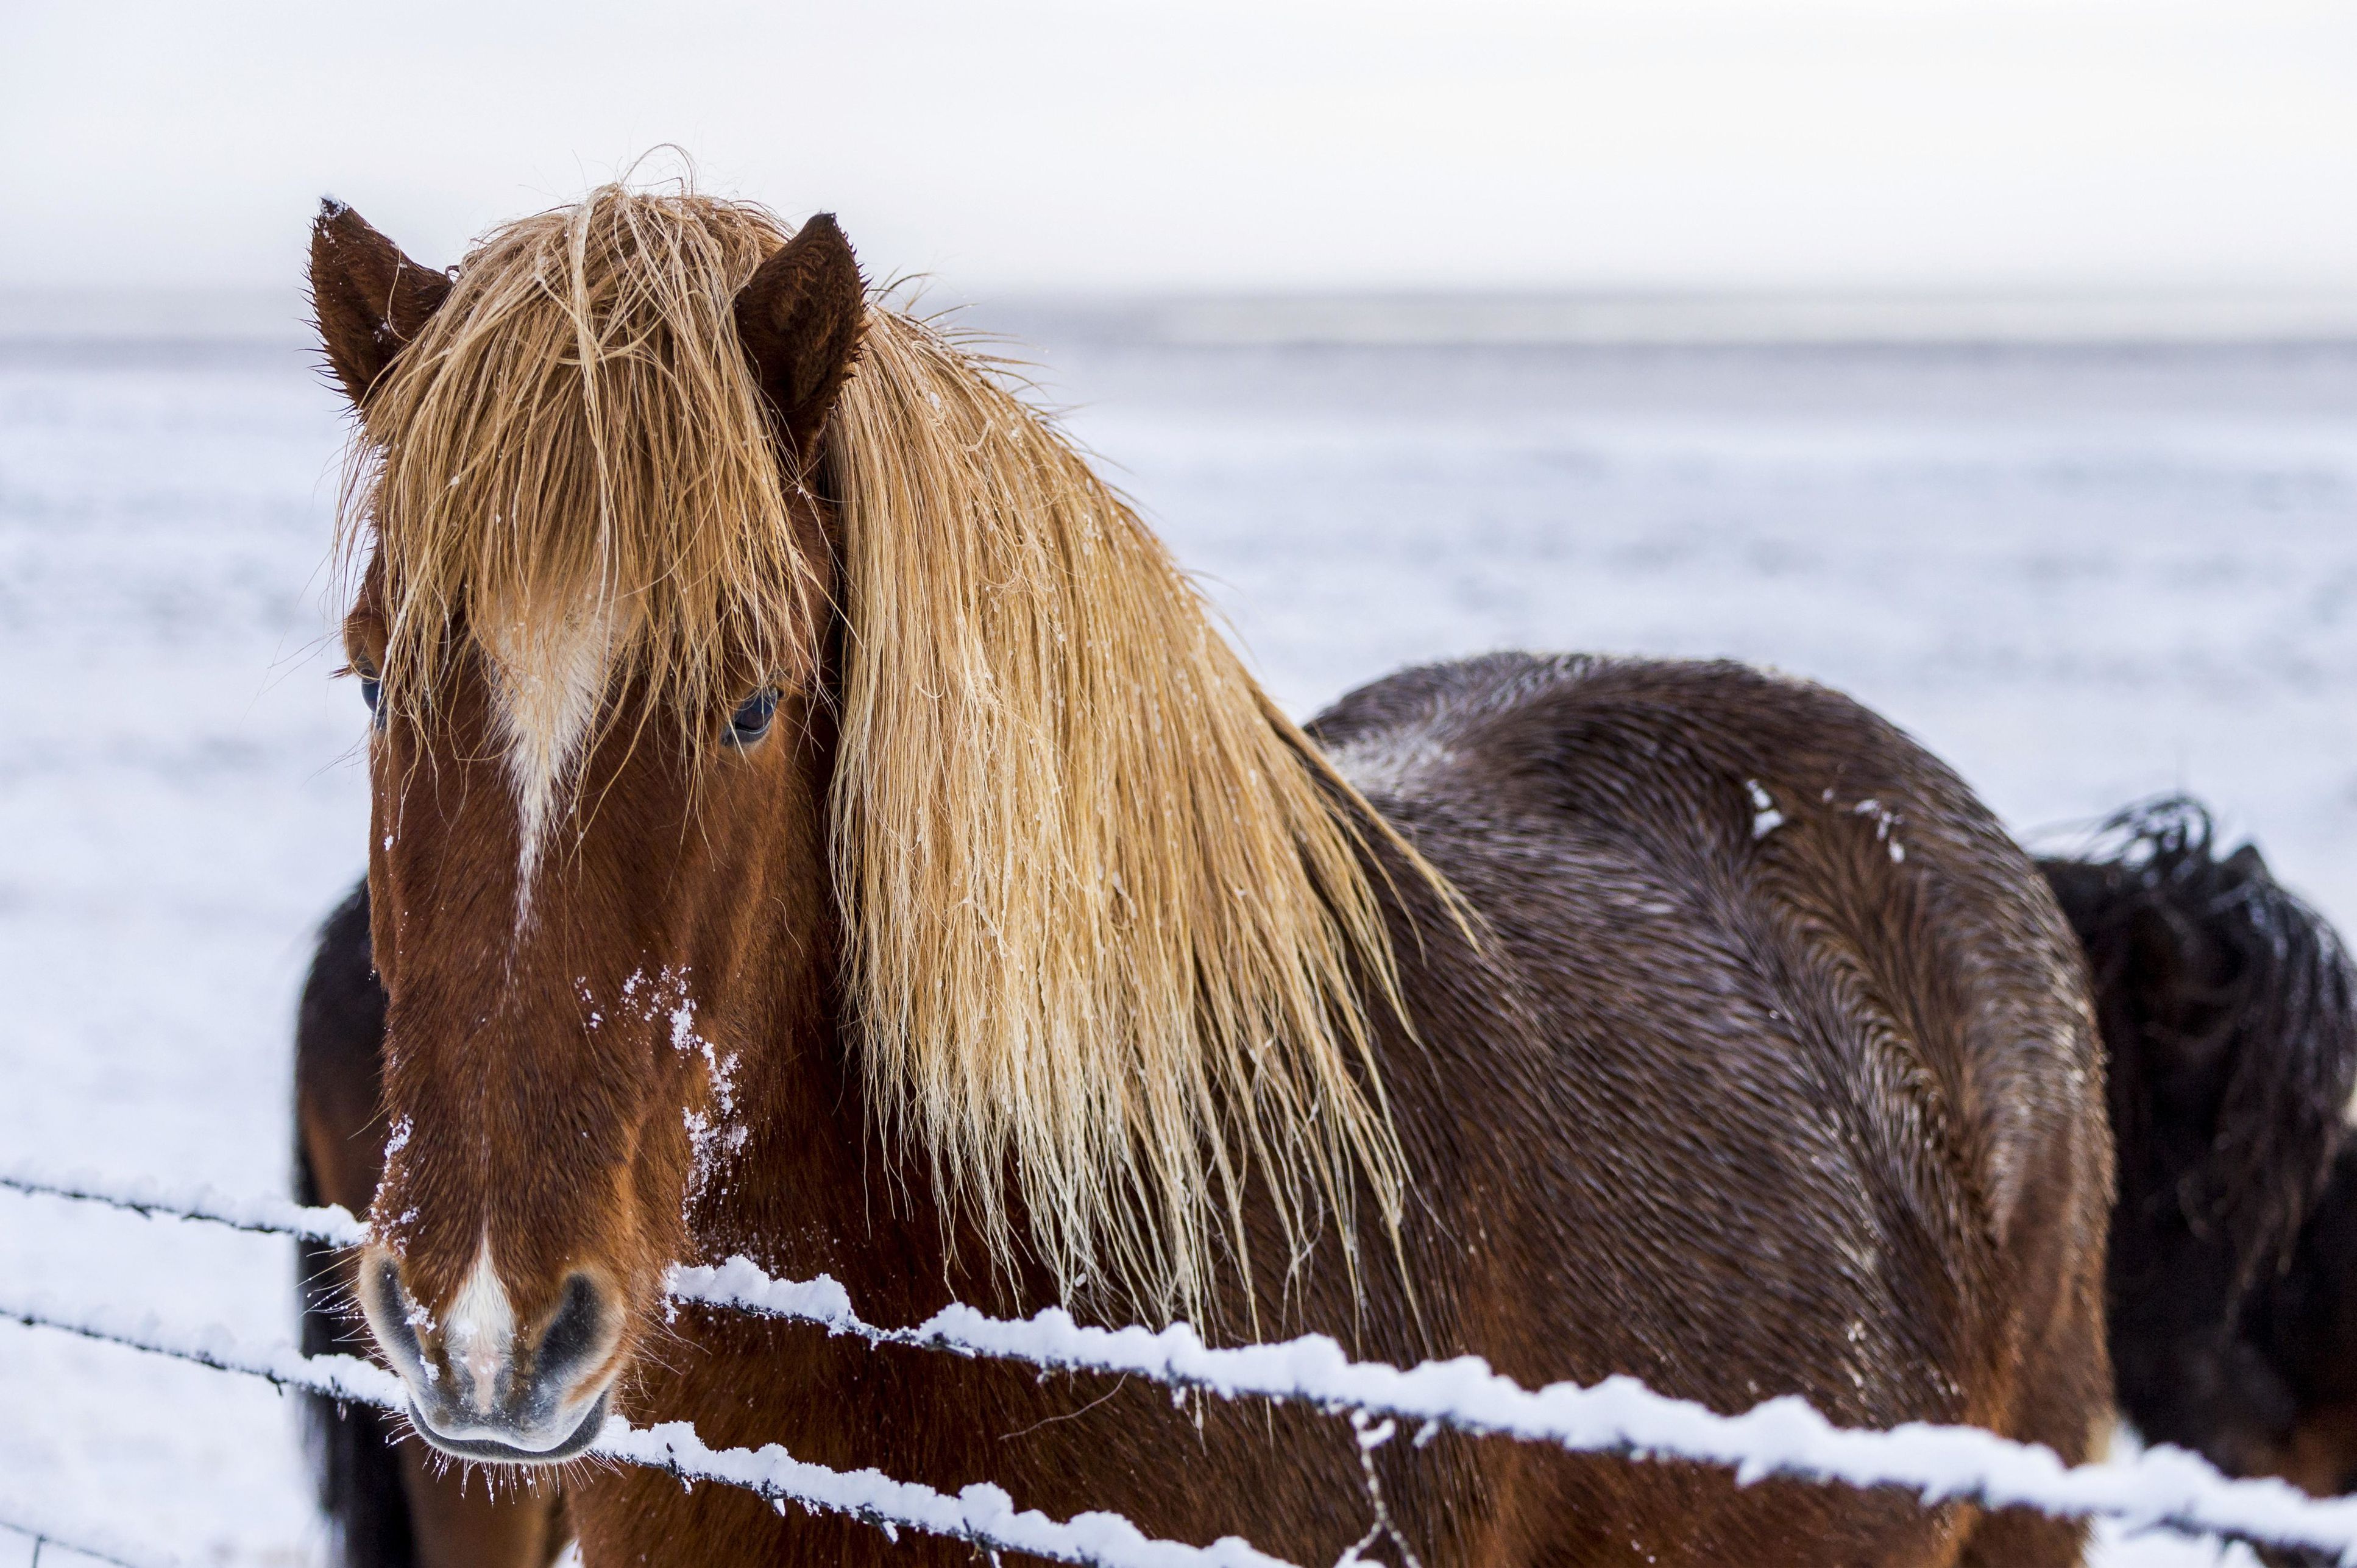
(391, 1312)
(577, 1333)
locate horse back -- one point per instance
(1774, 1071)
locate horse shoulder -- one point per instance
(1789, 1027)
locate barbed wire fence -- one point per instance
(2160, 1489)
(78, 1540)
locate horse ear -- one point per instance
(369, 298)
(800, 319)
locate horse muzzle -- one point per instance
(478, 1387)
(508, 1444)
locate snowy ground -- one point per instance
(2081, 575)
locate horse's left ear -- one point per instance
(800, 319)
(370, 299)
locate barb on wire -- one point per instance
(983, 1516)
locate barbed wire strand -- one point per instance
(983, 1516)
(258, 1216)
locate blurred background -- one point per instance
(1995, 361)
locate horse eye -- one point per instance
(751, 720)
(371, 692)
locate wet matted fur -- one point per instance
(1035, 942)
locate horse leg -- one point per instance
(390, 1501)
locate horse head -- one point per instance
(597, 858)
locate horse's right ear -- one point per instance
(799, 318)
(369, 298)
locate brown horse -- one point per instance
(813, 819)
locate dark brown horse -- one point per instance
(813, 820)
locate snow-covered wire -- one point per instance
(2162, 1487)
(983, 1516)
(266, 1216)
(347, 1378)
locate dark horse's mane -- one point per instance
(2228, 1013)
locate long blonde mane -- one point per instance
(1112, 937)
(1107, 901)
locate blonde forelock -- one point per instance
(576, 428)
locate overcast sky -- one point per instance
(1272, 144)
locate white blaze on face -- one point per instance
(478, 1331)
(550, 679)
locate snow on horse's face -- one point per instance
(587, 906)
